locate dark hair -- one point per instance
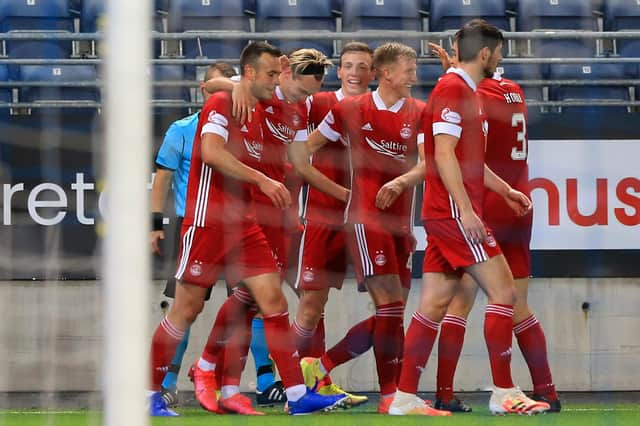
(355, 46)
(252, 52)
(223, 68)
(474, 36)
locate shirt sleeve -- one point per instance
(217, 120)
(447, 111)
(331, 126)
(170, 152)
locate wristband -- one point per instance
(157, 221)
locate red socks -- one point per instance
(498, 324)
(449, 347)
(419, 341)
(163, 347)
(281, 347)
(357, 341)
(533, 345)
(387, 344)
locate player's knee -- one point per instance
(308, 316)
(273, 303)
(191, 310)
(508, 295)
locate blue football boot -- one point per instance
(158, 406)
(313, 402)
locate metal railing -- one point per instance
(365, 35)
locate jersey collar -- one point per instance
(382, 107)
(339, 94)
(279, 93)
(466, 77)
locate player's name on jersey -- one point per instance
(513, 98)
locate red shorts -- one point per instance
(322, 258)
(449, 251)
(277, 240)
(206, 252)
(512, 232)
(378, 252)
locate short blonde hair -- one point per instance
(308, 62)
(388, 53)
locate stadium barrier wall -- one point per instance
(52, 336)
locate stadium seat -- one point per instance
(451, 15)
(169, 73)
(92, 14)
(209, 15)
(568, 15)
(315, 16)
(5, 92)
(523, 72)
(623, 15)
(57, 74)
(28, 15)
(371, 15)
(592, 71)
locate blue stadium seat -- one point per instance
(451, 15)
(428, 74)
(623, 15)
(520, 72)
(57, 74)
(592, 72)
(298, 16)
(170, 73)
(558, 15)
(358, 15)
(209, 15)
(29, 15)
(5, 92)
(92, 15)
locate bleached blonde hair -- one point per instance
(301, 59)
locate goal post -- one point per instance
(126, 263)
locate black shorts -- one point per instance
(170, 286)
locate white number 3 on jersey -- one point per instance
(519, 152)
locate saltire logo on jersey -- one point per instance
(254, 149)
(391, 149)
(280, 131)
(450, 116)
(368, 127)
(269, 109)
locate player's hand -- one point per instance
(473, 227)
(413, 243)
(277, 192)
(156, 236)
(242, 103)
(389, 193)
(442, 54)
(519, 203)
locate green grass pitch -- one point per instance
(572, 415)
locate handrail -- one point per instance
(328, 35)
(198, 105)
(420, 60)
(194, 84)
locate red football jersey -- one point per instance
(331, 160)
(282, 123)
(506, 112)
(382, 145)
(212, 198)
(454, 109)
